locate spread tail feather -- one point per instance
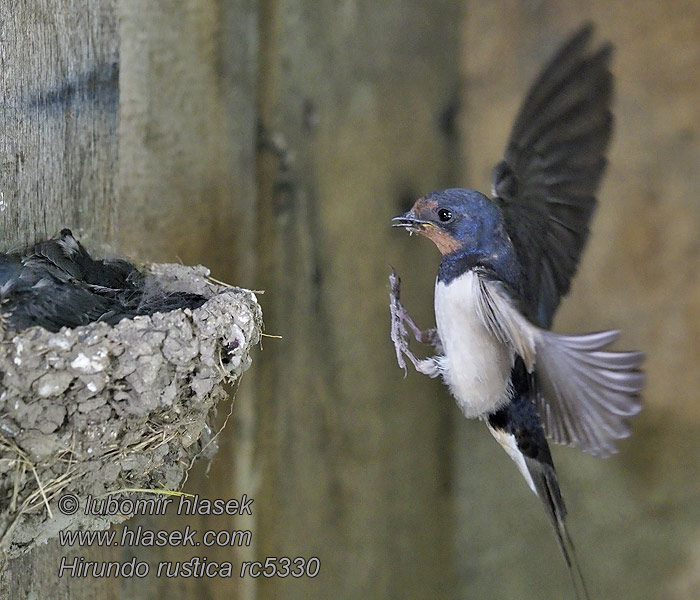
(586, 392)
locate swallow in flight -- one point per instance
(507, 260)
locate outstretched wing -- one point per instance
(585, 394)
(547, 180)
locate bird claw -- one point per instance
(399, 333)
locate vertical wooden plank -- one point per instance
(59, 74)
(187, 144)
(353, 460)
(186, 131)
(634, 517)
(59, 69)
(185, 127)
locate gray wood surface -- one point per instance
(58, 120)
(188, 135)
(354, 460)
(59, 67)
(149, 110)
(336, 472)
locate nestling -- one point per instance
(56, 283)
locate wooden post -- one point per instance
(355, 105)
(58, 153)
(134, 125)
(188, 137)
(58, 148)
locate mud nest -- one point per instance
(103, 407)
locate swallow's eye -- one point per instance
(444, 215)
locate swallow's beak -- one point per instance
(410, 222)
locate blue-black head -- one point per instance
(456, 220)
(467, 227)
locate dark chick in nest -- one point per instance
(56, 283)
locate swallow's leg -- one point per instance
(428, 366)
(430, 337)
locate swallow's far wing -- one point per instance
(548, 178)
(584, 393)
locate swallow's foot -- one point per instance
(399, 334)
(430, 337)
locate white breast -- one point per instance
(475, 365)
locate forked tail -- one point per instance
(518, 428)
(547, 488)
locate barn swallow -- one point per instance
(56, 283)
(506, 263)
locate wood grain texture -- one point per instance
(187, 145)
(59, 74)
(354, 461)
(634, 517)
(358, 123)
(175, 152)
(58, 125)
(186, 127)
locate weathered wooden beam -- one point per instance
(187, 146)
(59, 69)
(167, 133)
(354, 460)
(356, 107)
